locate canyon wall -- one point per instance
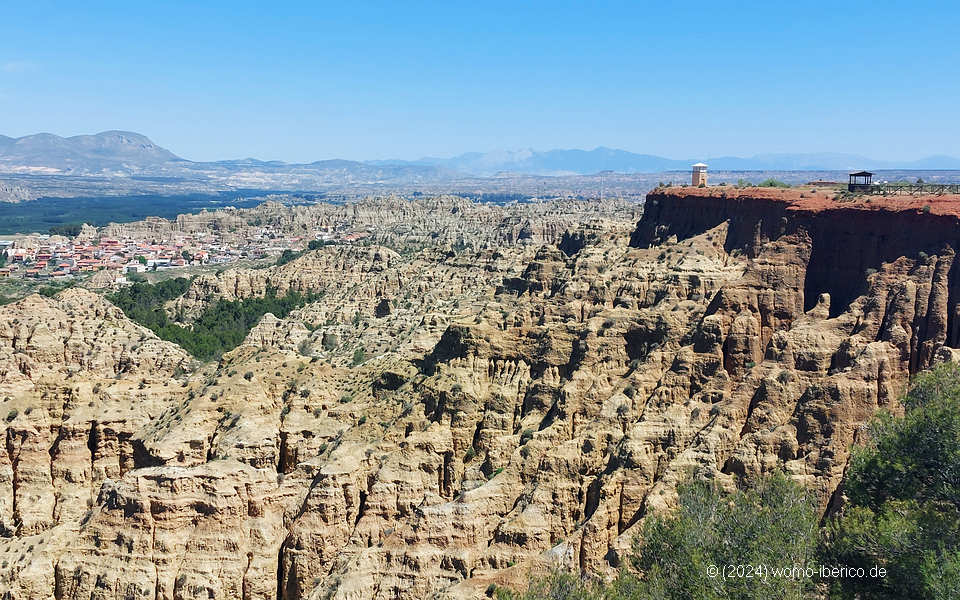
(521, 405)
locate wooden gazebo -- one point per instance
(861, 181)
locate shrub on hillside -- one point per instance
(774, 183)
(904, 499)
(773, 523)
(219, 328)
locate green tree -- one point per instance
(287, 256)
(903, 487)
(774, 523)
(218, 329)
(52, 290)
(359, 356)
(563, 585)
(67, 230)
(775, 183)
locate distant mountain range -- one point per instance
(103, 152)
(582, 162)
(123, 153)
(128, 154)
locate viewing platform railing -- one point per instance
(905, 189)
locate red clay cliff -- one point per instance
(849, 239)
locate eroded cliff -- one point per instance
(521, 405)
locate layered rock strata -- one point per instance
(535, 405)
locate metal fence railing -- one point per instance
(905, 189)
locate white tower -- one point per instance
(699, 175)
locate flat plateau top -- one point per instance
(810, 199)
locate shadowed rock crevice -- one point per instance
(848, 245)
(483, 432)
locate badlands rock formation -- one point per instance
(520, 404)
(12, 192)
(398, 223)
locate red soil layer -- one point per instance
(805, 199)
(848, 238)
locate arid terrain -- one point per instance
(510, 387)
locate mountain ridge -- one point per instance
(118, 152)
(601, 158)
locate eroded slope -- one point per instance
(517, 404)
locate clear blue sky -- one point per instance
(313, 80)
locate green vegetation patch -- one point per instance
(289, 255)
(63, 215)
(774, 183)
(68, 230)
(901, 518)
(904, 491)
(52, 290)
(774, 522)
(220, 328)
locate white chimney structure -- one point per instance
(699, 175)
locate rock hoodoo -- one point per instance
(515, 404)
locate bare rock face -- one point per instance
(77, 379)
(340, 267)
(13, 192)
(223, 517)
(77, 334)
(512, 406)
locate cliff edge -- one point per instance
(534, 404)
(849, 240)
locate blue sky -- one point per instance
(313, 80)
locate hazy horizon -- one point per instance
(514, 151)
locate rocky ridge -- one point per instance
(12, 192)
(520, 404)
(402, 224)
